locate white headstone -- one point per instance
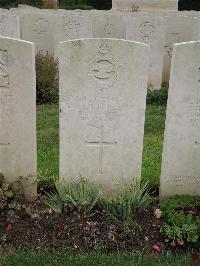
(180, 166)
(144, 5)
(71, 27)
(18, 112)
(38, 28)
(150, 29)
(102, 110)
(108, 26)
(9, 26)
(179, 29)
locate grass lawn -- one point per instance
(48, 145)
(58, 258)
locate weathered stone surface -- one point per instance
(102, 110)
(9, 25)
(18, 112)
(108, 26)
(149, 29)
(144, 5)
(38, 28)
(179, 29)
(69, 27)
(180, 166)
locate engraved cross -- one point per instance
(100, 144)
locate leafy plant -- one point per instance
(47, 79)
(130, 227)
(182, 215)
(81, 196)
(11, 194)
(157, 97)
(127, 202)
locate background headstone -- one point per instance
(9, 26)
(108, 26)
(149, 29)
(102, 110)
(69, 27)
(18, 112)
(38, 28)
(180, 166)
(179, 29)
(144, 5)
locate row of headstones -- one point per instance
(160, 30)
(102, 113)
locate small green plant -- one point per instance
(130, 227)
(11, 194)
(182, 217)
(81, 196)
(127, 202)
(47, 79)
(157, 97)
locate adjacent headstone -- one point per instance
(108, 26)
(102, 110)
(71, 27)
(179, 29)
(180, 166)
(150, 29)
(144, 5)
(18, 112)
(9, 26)
(38, 28)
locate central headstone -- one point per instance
(181, 153)
(102, 110)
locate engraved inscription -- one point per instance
(135, 8)
(101, 144)
(146, 31)
(72, 28)
(98, 110)
(41, 26)
(194, 110)
(4, 79)
(2, 27)
(181, 181)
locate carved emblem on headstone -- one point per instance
(103, 67)
(41, 26)
(109, 28)
(146, 31)
(72, 28)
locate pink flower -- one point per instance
(9, 227)
(157, 248)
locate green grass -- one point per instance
(59, 258)
(48, 140)
(153, 144)
(48, 146)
